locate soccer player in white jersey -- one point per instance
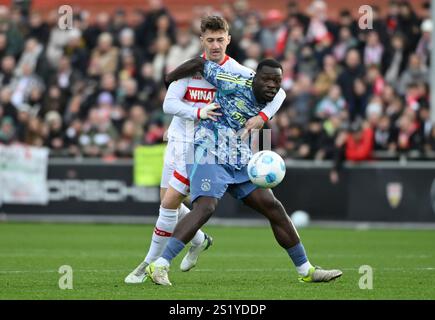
(189, 100)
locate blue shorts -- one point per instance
(213, 180)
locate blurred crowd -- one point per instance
(97, 90)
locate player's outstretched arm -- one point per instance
(187, 69)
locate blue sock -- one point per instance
(297, 254)
(173, 248)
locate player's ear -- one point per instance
(229, 39)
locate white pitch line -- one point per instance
(55, 271)
(287, 269)
(210, 270)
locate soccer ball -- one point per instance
(300, 219)
(266, 169)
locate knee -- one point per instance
(206, 208)
(172, 199)
(169, 204)
(273, 204)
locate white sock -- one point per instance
(161, 262)
(182, 211)
(304, 268)
(199, 237)
(165, 225)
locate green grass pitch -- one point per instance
(244, 263)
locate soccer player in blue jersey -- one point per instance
(239, 99)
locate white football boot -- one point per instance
(138, 275)
(191, 257)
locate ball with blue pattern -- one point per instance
(266, 169)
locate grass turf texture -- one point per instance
(244, 263)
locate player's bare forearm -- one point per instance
(187, 69)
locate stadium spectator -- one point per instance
(29, 57)
(317, 27)
(394, 59)
(7, 70)
(24, 84)
(373, 49)
(392, 18)
(424, 44)
(76, 51)
(347, 22)
(378, 26)
(37, 28)
(129, 140)
(327, 77)
(307, 62)
(159, 63)
(7, 130)
(407, 138)
(148, 87)
(345, 42)
(289, 138)
(14, 38)
(57, 41)
(92, 32)
(130, 55)
(253, 55)
(384, 135)
(113, 64)
(313, 140)
(128, 94)
(186, 47)
(360, 97)
(332, 128)
(71, 138)
(3, 45)
(332, 104)
(353, 69)
(425, 124)
(54, 136)
(302, 99)
(251, 30)
(295, 14)
(408, 24)
(295, 40)
(430, 144)
(35, 132)
(157, 22)
(119, 22)
(272, 36)
(415, 72)
(104, 58)
(355, 144)
(98, 136)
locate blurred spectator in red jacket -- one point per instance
(359, 142)
(356, 144)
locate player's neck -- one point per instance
(219, 62)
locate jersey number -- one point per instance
(238, 117)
